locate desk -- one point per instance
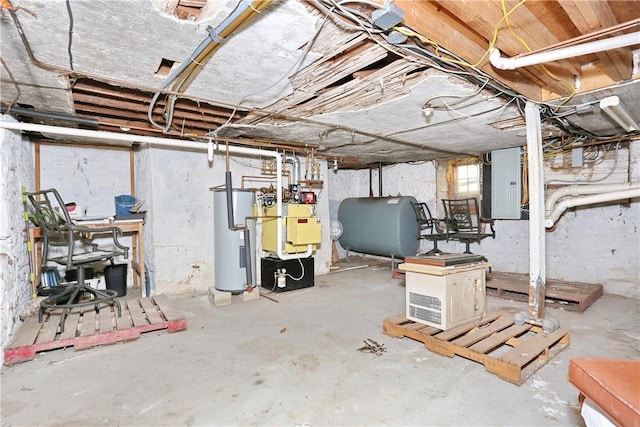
(132, 227)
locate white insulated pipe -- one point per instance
(526, 60)
(173, 143)
(537, 243)
(588, 200)
(581, 190)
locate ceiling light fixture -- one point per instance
(614, 109)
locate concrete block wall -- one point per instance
(590, 244)
(16, 170)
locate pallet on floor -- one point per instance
(510, 351)
(573, 296)
(85, 328)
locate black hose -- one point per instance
(229, 190)
(248, 268)
(19, 111)
(379, 179)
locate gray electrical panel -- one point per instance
(506, 183)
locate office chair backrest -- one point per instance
(51, 215)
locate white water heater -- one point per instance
(230, 247)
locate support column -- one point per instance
(537, 266)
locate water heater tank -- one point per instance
(229, 246)
(385, 226)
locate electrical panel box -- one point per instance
(286, 275)
(300, 228)
(445, 297)
(506, 184)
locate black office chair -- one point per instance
(59, 231)
(464, 223)
(429, 228)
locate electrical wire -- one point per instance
(70, 34)
(14, 101)
(292, 69)
(296, 279)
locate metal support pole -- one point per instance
(537, 266)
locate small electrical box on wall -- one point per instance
(286, 275)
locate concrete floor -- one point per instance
(296, 363)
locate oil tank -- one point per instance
(229, 245)
(385, 226)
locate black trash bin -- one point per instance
(115, 277)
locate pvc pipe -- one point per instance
(526, 60)
(580, 190)
(173, 143)
(589, 200)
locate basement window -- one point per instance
(463, 178)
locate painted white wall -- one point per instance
(16, 170)
(91, 177)
(181, 217)
(591, 244)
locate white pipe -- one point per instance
(173, 143)
(580, 190)
(537, 249)
(589, 200)
(563, 52)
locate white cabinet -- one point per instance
(445, 297)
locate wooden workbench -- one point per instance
(135, 228)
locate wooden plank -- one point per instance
(27, 333)
(483, 331)
(124, 321)
(105, 319)
(499, 338)
(169, 313)
(532, 348)
(49, 328)
(462, 329)
(137, 314)
(88, 321)
(71, 325)
(151, 311)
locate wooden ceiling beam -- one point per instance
(443, 27)
(590, 16)
(483, 16)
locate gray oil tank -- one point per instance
(385, 226)
(229, 245)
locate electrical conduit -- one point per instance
(187, 71)
(174, 143)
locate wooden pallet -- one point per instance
(512, 352)
(86, 328)
(574, 296)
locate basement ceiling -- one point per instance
(320, 74)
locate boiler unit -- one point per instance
(230, 247)
(385, 226)
(300, 228)
(286, 275)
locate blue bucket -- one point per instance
(124, 203)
